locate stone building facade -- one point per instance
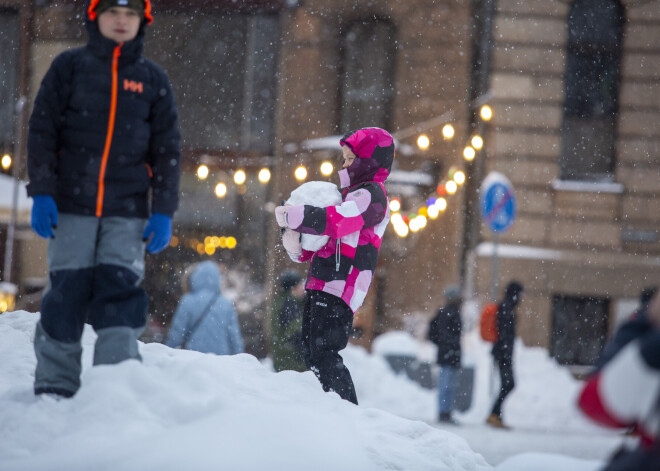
(257, 81)
(586, 240)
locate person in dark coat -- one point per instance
(104, 163)
(637, 323)
(286, 323)
(503, 348)
(445, 332)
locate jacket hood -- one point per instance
(205, 277)
(374, 149)
(104, 47)
(512, 295)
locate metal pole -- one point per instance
(495, 268)
(11, 228)
(484, 14)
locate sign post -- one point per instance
(498, 210)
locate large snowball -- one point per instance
(321, 195)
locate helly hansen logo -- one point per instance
(132, 85)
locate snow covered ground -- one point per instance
(186, 410)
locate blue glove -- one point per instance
(159, 228)
(44, 216)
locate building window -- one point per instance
(223, 71)
(9, 76)
(579, 329)
(367, 88)
(592, 81)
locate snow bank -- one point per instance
(187, 410)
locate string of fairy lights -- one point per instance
(437, 203)
(403, 222)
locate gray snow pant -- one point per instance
(95, 267)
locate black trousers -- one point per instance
(505, 365)
(326, 326)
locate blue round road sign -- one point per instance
(498, 206)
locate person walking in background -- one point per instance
(503, 349)
(445, 332)
(204, 320)
(625, 389)
(286, 323)
(629, 330)
(104, 164)
(340, 273)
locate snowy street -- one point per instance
(541, 410)
(498, 445)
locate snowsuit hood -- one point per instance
(205, 277)
(374, 149)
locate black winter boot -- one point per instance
(446, 418)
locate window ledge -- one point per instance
(587, 187)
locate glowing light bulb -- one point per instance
(6, 161)
(220, 190)
(448, 131)
(423, 142)
(300, 173)
(239, 177)
(477, 142)
(327, 169)
(202, 172)
(469, 153)
(486, 112)
(264, 175)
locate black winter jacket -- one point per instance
(445, 332)
(506, 324)
(104, 131)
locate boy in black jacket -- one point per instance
(103, 136)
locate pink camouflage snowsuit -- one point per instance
(345, 266)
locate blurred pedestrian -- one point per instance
(340, 273)
(638, 321)
(205, 320)
(104, 162)
(286, 323)
(503, 349)
(445, 332)
(625, 390)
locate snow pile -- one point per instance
(321, 195)
(187, 410)
(395, 343)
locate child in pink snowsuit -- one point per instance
(340, 273)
